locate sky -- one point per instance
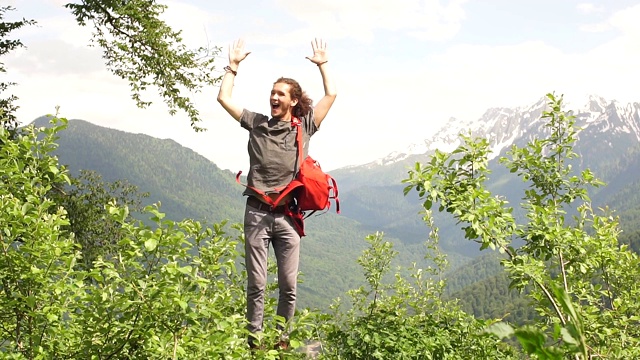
(402, 68)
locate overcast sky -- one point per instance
(402, 67)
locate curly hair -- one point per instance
(305, 104)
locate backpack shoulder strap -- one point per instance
(299, 134)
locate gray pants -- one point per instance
(261, 228)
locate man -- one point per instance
(273, 164)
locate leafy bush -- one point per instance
(404, 319)
(169, 289)
(582, 282)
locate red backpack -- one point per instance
(312, 188)
(317, 188)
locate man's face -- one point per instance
(280, 101)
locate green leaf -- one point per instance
(566, 337)
(183, 304)
(31, 301)
(501, 330)
(25, 208)
(427, 204)
(151, 244)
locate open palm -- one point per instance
(237, 52)
(319, 52)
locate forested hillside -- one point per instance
(190, 186)
(187, 184)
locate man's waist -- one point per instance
(260, 204)
(272, 195)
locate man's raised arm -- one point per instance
(320, 58)
(237, 53)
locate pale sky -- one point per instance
(402, 67)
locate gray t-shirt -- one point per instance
(273, 151)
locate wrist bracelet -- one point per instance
(229, 69)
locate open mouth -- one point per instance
(275, 106)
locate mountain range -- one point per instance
(608, 143)
(603, 122)
(189, 185)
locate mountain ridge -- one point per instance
(498, 126)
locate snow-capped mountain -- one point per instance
(608, 142)
(607, 129)
(506, 126)
(610, 117)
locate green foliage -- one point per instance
(167, 290)
(155, 300)
(583, 283)
(142, 49)
(404, 319)
(84, 200)
(491, 298)
(36, 257)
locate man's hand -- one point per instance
(320, 57)
(319, 52)
(237, 52)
